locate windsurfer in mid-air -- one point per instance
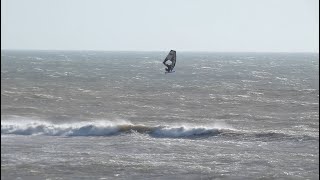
(172, 58)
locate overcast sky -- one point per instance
(160, 25)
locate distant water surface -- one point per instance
(117, 115)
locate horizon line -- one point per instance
(208, 51)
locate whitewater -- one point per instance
(117, 115)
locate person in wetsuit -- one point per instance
(169, 67)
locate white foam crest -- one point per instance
(36, 127)
(282, 78)
(153, 62)
(188, 130)
(23, 126)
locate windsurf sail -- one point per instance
(170, 57)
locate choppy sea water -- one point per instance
(117, 115)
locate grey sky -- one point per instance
(147, 25)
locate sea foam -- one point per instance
(102, 128)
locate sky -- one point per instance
(160, 25)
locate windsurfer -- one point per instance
(169, 67)
(172, 58)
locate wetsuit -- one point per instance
(168, 69)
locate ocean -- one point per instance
(117, 115)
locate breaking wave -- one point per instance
(108, 128)
(100, 128)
